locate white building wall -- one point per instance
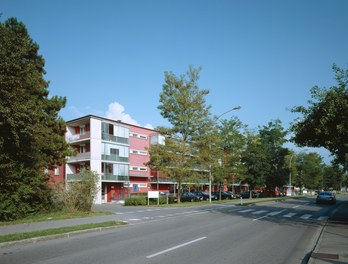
(95, 162)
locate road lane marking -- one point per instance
(134, 219)
(176, 247)
(269, 214)
(296, 206)
(259, 212)
(306, 216)
(246, 211)
(276, 212)
(323, 218)
(290, 215)
(259, 218)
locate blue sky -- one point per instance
(109, 57)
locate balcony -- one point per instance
(161, 180)
(168, 180)
(114, 158)
(74, 177)
(115, 178)
(113, 138)
(78, 137)
(79, 157)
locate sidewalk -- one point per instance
(332, 246)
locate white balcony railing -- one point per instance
(78, 137)
(80, 157)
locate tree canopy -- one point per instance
(265, 156)
(324, 122)
(31, 131)
(183, 104)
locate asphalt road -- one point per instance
(276, 232)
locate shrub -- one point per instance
(77, 195)
(139, 200)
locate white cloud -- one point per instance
(149, 126)
(116, 111)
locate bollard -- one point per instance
(241, 200)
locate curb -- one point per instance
(311, 260)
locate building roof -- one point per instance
(80, 120)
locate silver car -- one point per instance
(326, 197)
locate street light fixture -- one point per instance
(214, 121)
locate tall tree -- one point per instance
(333, 177)
(232, 143)
(255, 160)
(309, 171)
(265, 156)
(272, 137)
(324, 122)
(183, 104)
(31, 132)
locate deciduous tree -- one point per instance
(183, 104)
(324, 122)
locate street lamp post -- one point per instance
(289, 188)
(214, 121)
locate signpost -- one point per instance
(152, 194)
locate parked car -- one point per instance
(246, 195)
(326, 197)
(233, 195)
(190, 197)
(205, 196)
(224, 195)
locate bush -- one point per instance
(142, 200)
(78, 195)
(139, 200)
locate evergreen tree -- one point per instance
(31, 132)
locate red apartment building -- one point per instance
(117, 152)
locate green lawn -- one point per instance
(56, 231)
(41, 217)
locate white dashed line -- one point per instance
(289, 215)
(276, 213)
(259, 212)
(306, 216)
(176, 247)
(246, 211)
(323, 218)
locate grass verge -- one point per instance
(51, 216)
(57, 231)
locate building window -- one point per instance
(56, 171)
(82, 149)
(139, 152)
(114, 152)
(139, 168)
(138, 135)
(82, 130)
